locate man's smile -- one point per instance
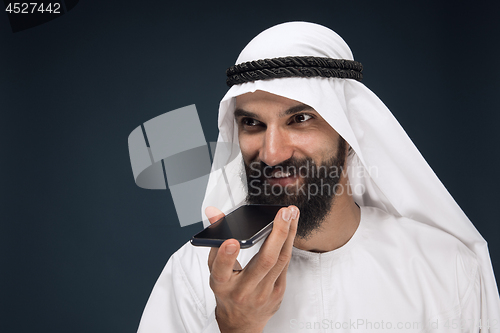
(282, 178)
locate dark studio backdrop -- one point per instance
(82, 246)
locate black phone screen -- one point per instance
(243, 224)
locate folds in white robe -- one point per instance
(393, 275)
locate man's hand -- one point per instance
(247, 298)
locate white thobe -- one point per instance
(394, 274)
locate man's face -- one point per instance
(292, 156)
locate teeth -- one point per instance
(281, 174)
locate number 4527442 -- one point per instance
(33, 8)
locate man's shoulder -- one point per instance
(381, 224)
(189, 264)
(191, 257)
(418, 244)
(424, 257)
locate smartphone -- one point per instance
(247, 224)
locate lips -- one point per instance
(282, 178)
(281, 174)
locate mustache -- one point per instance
(259, 169)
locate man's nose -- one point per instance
(276, 147)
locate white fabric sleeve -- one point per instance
(470, 316)
(473, 301)
(466, 316)
(212, 326)
(176, 303)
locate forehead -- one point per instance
(262, 98)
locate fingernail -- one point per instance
(230, 249)
(295, 212)
(286, 215)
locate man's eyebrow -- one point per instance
(293, 110)
(243, 113)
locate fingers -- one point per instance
(213, 214)
(279, 270)
(271, 261)
(280, 283)
(222, 265)
(211, 257)
(213, 254)
(272, 253)
(237, 266)
(240, 299)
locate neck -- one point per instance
(338, 227)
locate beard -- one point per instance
(314, 195)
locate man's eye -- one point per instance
(300, 118)
(249, 122)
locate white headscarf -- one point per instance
(395, 176)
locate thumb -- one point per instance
(213, 214)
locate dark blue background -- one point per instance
(82, 246)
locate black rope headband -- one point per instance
(293, 67)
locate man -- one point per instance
(370, 241)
